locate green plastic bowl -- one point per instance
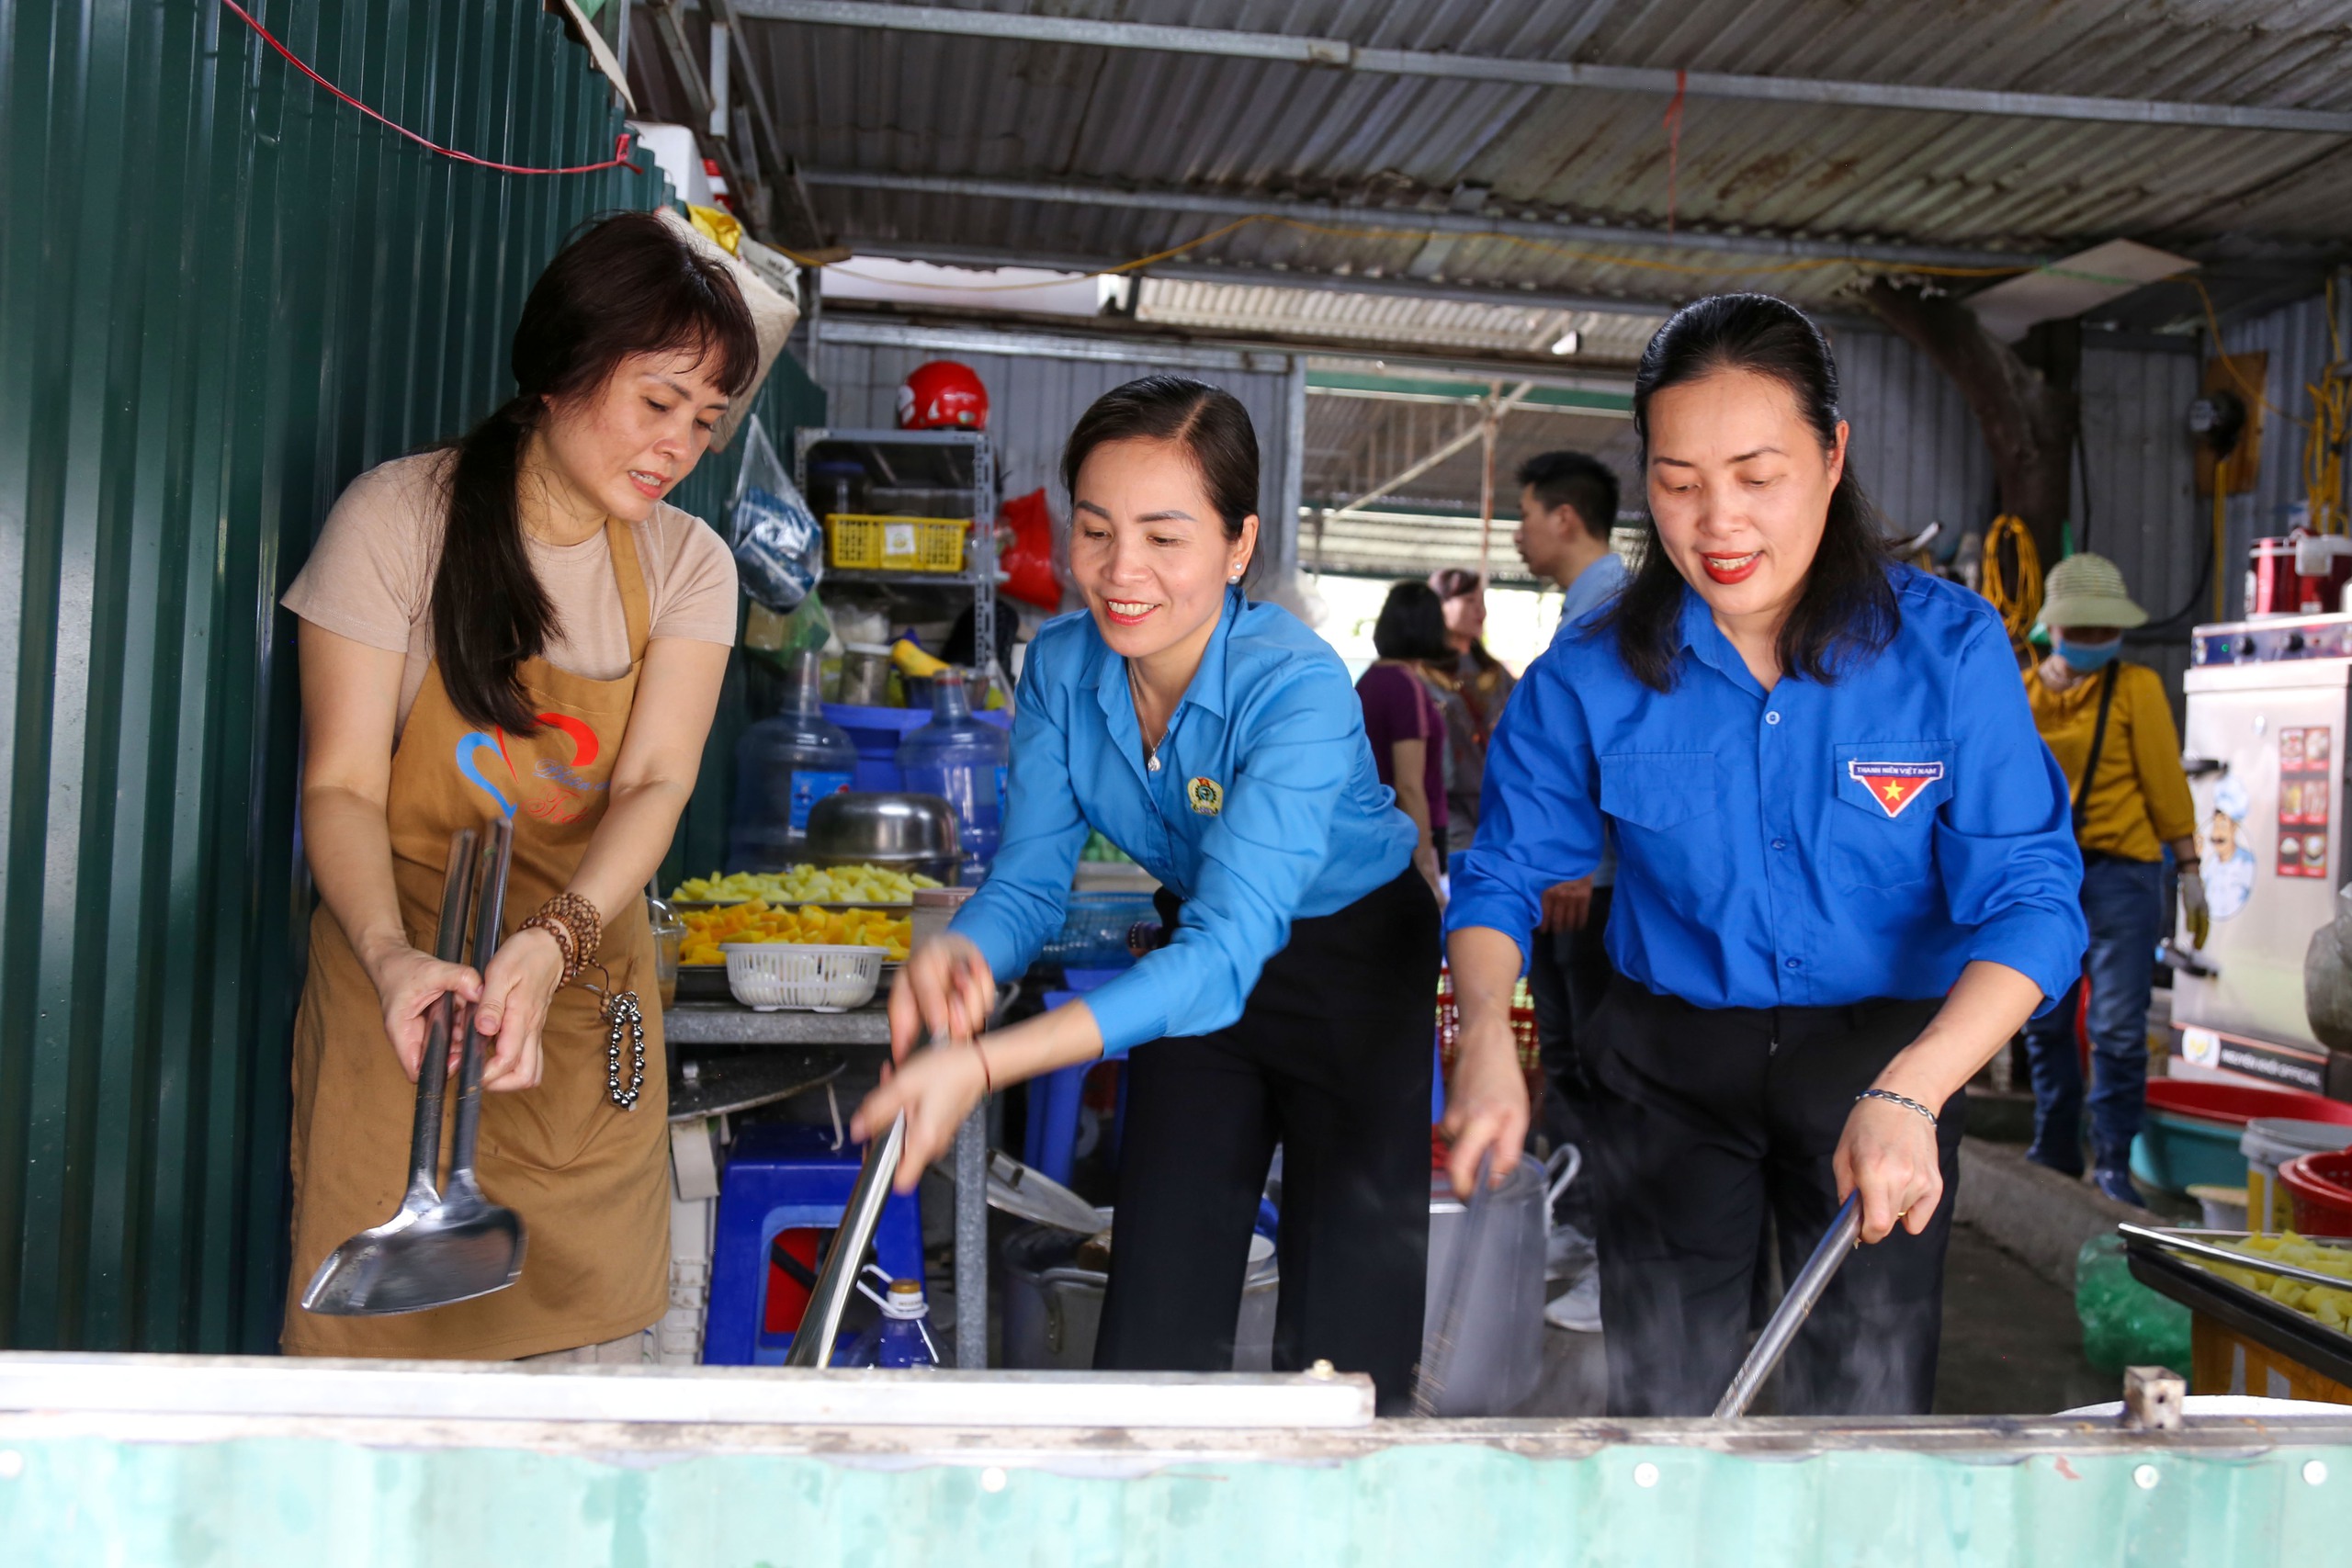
(2175, 1152)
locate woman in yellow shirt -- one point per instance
(2110, 724)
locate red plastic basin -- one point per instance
(2236, 1104)
(2321, 1187)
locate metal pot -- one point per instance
(1052, 1308)
(1498, 1358)
(901, 832)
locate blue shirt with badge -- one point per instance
(1266, 808)
(1813, 846)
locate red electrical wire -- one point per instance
(620, 144)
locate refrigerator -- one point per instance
(2269, 714)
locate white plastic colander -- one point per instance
(767, 976)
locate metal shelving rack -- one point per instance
(958, 461)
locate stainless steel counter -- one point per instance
(731, 1024)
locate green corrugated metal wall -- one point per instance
(222, 296)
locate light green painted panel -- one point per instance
(281, 1503)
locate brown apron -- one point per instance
(590, 1181)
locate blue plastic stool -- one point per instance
(782, 1177)
(1050, 1143)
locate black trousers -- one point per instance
(1568, 976)
(1332, 1060)
(1701, 1119)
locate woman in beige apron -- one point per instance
(628, 350)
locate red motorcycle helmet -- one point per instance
(943, 395)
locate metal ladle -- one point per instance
(451, 1246)
(821, 1323)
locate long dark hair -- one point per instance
(1848, 609)
(1412, 625)
(1208, 422)
(628, 284)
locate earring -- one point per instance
(1235, 577)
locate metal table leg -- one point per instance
(972, 1240)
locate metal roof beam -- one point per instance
(1415, 219)
(1338, 55)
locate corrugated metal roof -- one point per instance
(1355, 443)
(861, 99)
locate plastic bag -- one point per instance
(779, 548)
(2125, 1324)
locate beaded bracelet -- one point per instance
(577, 927)
(1903, 1100)
(564, 941)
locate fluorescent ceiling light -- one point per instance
(1568, 342)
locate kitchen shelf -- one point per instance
(933, 460)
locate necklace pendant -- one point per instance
(1151, 760)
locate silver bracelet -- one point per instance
(1903, 1100)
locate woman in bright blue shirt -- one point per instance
(1846, 877)
(1219, 743)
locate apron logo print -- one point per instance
(1894, 785)
(1207, 798)
(471, 746)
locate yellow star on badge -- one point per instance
(1894, 791)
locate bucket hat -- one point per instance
(2087, 591)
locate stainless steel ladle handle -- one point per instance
(433, 1066)
(812, 1344)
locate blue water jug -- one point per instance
(784, 766)
(962, 759)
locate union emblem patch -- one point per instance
(1894, 785)
(1205, 796)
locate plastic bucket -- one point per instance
(2318, 1186)
(2268, 1143)
(2190, 1136)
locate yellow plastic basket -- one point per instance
(861, 543)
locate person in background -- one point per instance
(1486, 685)
(1567, 505)
(2110, 726)
(1845, 881)
(1401, 716)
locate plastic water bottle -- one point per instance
(963, 759)
(784, 766)
(905, 1339)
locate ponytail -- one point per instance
(490, 612)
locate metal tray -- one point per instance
(2252, 1313)
(682, 904)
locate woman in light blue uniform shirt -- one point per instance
(1220, 744)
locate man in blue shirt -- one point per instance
(1567, 506)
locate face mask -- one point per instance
(2085, 657)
